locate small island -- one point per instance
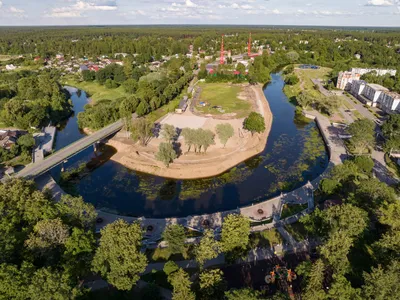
(205, 136)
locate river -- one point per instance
(295, 153)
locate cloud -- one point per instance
(15, 10)
(76, 10)
(380, 3)
(1, 3)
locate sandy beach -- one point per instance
(242, 146)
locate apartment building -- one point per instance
(346, 78)
(376, 95)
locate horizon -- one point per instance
(357, 13)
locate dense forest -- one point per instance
(32, 99)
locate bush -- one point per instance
(292, 79)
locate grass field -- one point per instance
(3, 125)
(225, 96)
(266, 238)
(96, 91)
(305, 82)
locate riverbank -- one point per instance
(216, 161)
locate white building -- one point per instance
(376, 95)
(389, 102)
(347, 77)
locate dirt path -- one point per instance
(217, 160)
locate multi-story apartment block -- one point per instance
(376, 95)
(346, 78)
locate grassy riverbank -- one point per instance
(95, 90)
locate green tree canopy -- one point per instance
(208, 248)
(175, 236)
(142, 131)
(225, 131)
(235, 232)
(254, 123)
(166, 153)
(362, 135)
(181, 285)
(118, 258)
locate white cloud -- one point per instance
(15, 10)
(81, 6)
(1, 3)
(380, 3)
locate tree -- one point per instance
(181, 285)
(292, 79)
(166, 153)
(170, 267)
(225, 132)
(382, 283)
(254, 123)
(47, 234)
(204, 138)
(241, 68)
(292, 56)
(143, 109)
(242, 294)
(305, 99)
(79, 250)
(26, 142)
(175, 236)
(212, 284)
(189, 136)
(335, 251)
(142, 130)
(365, 164)
(314, 289)
(49, 284)
(362, 135)
(341, 289)
(235, 232)
(77, 212)
(208, 248)
(168, 132)
(130, 86)
(118, 258)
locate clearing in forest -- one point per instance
(223, 98)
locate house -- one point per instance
(94, 68)
(182, 105)
(60, 56)
(37, 58)
(8, 138)
(83, 68)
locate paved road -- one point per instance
(39, 168)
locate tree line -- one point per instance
(31, 99)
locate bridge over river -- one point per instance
(38, 168)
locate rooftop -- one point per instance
(377, 87)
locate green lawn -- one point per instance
(290, 210)
(3, 125)
(266, 238)
(96, 91)
(225, 96)
(306, 83)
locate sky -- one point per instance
(246, 12)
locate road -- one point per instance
(38, 168)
